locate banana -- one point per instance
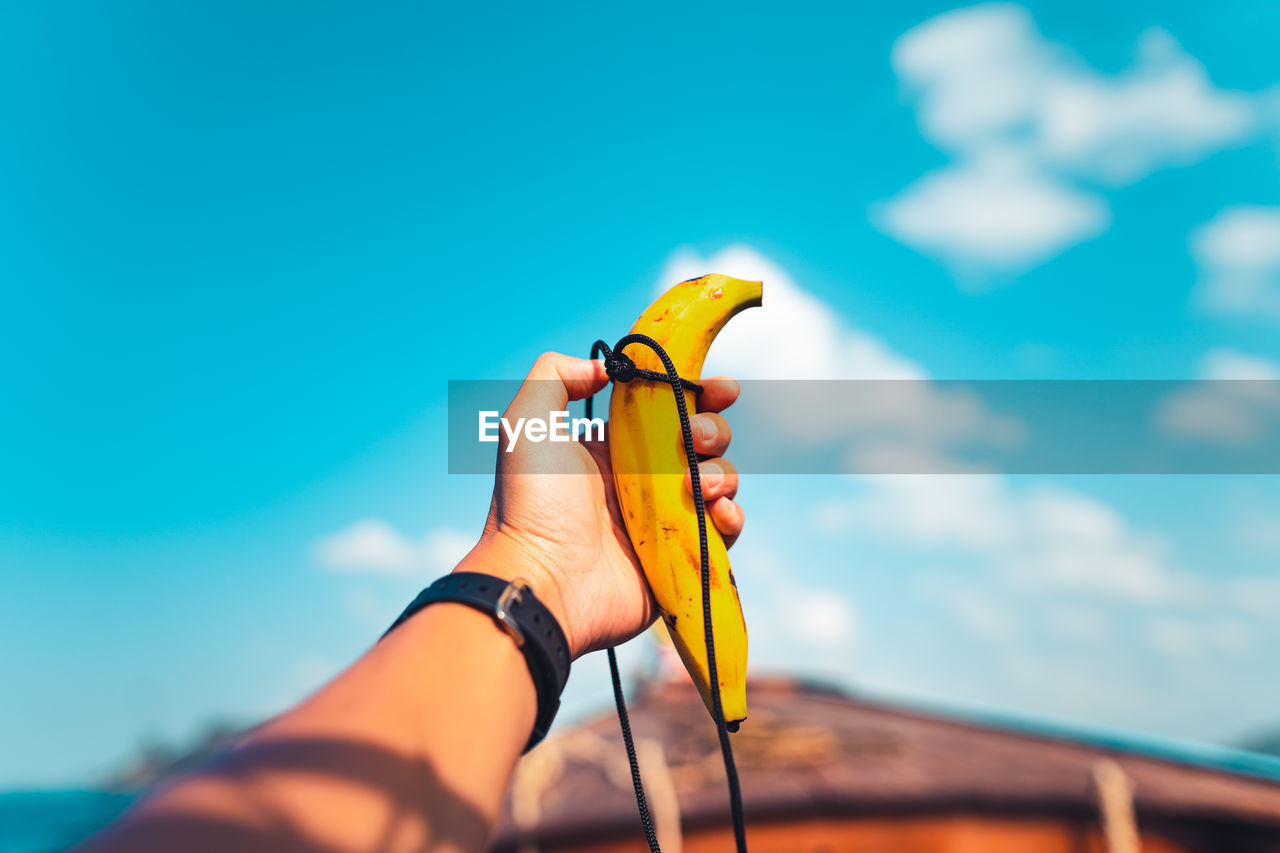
(648, 456)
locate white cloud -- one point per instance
(1073, 541)
(373, 547)
(988, 86)
(820, 617)
(974, 73)
(787, 611)
(1041, 537)
(367, 545)
(798, 336)
(1238, 255)
(985, 78)
(1237, 404)
(1231, 365)
(935, 512)
(1203, 413)
(795, 336)
(992, 214)
(1164, 111)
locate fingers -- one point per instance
(719, 481)
(553, 381)
(711, 433)
(718, 477)
(728, 518)
(718, 393)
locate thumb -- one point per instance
(553, 381)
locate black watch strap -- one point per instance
(518, 612)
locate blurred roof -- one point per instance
(812, 751)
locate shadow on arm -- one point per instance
(255, 798)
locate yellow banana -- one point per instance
(649, 461)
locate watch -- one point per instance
(524, 618)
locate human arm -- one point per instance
(412, 746)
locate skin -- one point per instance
(412, 747)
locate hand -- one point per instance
(555, 519)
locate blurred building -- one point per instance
(824, 771)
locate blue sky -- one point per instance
(246, 245)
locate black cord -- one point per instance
(621, 368)
(646, 821)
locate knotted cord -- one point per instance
(621, 368)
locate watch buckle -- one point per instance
(514, 592)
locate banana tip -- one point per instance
(733, 725)
(755, 294)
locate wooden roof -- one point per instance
(808, 751)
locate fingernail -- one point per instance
(706, 428)
(710, 474)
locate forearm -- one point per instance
(410, 748)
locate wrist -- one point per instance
(527, 623)
(503, 556)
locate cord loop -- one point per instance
(621, 368)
